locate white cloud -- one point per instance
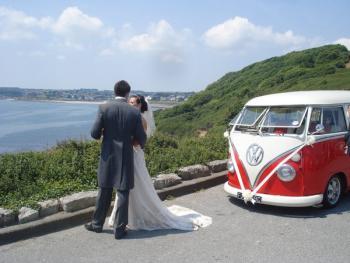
(143, 42)
(79, 30)
(73, 19)
(72, 29)
(156, 38)
(15, 25)
(240, 32)
(160, 39)
(343, 41)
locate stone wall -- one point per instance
(82, 200)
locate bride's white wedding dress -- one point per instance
(147, 211)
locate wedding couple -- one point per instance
(125, 126)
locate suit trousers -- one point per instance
(103, 204)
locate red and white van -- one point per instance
(291, 149)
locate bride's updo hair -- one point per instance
(144, 105)
(140, 100)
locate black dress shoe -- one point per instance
(92, 228)
(119, 234)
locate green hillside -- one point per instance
(313, 69)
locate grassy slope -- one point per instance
(211, 109)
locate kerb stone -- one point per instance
(7, 217)
(48, 207)
(166, 180)
(217, 166)
(27, 214)
(78, 201)
(194, 171)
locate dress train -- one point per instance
(147, 211)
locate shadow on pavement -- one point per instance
(295, 212)
(144, 234)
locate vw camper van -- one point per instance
(291, 149)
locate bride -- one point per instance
(146, 210)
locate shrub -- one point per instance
(26, 178)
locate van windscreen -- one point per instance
(289, 117)
(251, 115)
(272, 120)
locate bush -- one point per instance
(26, 178)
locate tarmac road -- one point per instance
(239, 233)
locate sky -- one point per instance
(155, 45)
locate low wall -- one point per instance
(165, 184)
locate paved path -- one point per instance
(240, 233)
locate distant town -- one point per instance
(85, 95)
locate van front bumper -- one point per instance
(278, 200)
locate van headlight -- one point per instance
(230, 166)
(286, 173)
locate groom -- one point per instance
(120, 125)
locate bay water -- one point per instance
(34, 125)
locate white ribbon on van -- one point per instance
(248, 194)
(275, 169)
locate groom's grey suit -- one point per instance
(119, 124)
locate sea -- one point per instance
(37, 125)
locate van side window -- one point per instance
(332, 119)
(315, 119)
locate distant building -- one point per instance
(84, 94)
(180, 98)
(155, 97)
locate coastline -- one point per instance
(71, 101)
(59, 101)
(158, 104)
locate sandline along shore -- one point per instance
(155, 104)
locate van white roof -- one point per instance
(315, 97)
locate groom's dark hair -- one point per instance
(121, 88)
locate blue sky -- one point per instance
(155, 45)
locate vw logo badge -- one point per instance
(254, 155)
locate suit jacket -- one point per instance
(119, 123)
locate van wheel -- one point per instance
(332, 194)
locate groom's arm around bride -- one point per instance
(119, 124)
